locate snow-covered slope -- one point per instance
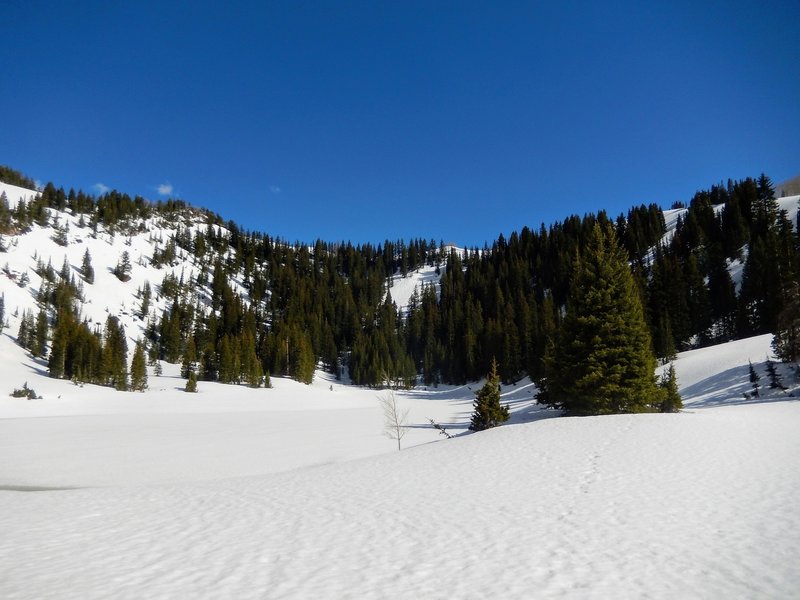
(658, 506)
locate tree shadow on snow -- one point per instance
(732, 387)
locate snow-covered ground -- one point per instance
(293, 493)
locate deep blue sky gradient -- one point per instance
(372, 120)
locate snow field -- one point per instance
(662, 506)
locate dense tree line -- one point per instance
(260, 305)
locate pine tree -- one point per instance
(87, 271)
(671, 398)
(2, 312)
(754, 379)
(146, 295)
(488, 412)
(138, 369)
(39, 342)
(191, 383)
(115, 355)
(602, 362)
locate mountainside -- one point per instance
(295, 491)
(180, 285)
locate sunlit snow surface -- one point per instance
(697, 504)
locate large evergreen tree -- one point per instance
(602, 362)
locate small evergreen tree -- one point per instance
(488, 412)
(775, 382)
(754, 379)
(147, 293)
(39, 342)
(191, 383)
(671, 398)
(123, 267)
(138, 369)
(87, 271)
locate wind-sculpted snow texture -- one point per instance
(697, 504)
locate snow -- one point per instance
(402, 288)
(293, 493)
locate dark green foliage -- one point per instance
(146, 296)
(602, 361)
(774, 377)
(488, 412)
(786, 342)
(123, 268)
(754, 379)
(87, 271)
(39, 341)
(24, 392)
(9, 175)
(115, 355)
(670, 396)
(191, 383)
(138, 369)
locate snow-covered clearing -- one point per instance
(697, 504)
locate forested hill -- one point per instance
(97, 285)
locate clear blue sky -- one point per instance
(374, 120)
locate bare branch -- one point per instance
(395, 419)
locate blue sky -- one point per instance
(372, 120)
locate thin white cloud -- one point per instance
(101, 188)
(165, 189)
(274, 189)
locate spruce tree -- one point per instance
(602, 361)
(191, 383)
(671, 398)
(39, 342)
(488, 412)
(754, 379)
(138, 369)
(87, 270)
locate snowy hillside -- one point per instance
(660, 506)
(107, 295)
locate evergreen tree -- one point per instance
(191, 383)
(146, 296)
(138, 369)
(488, 412)
(602, 362)
(39, 342)
(87, 271)
(671, 398)
(123, 268)
(115, 355)
(2, 312)
(754, 379)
